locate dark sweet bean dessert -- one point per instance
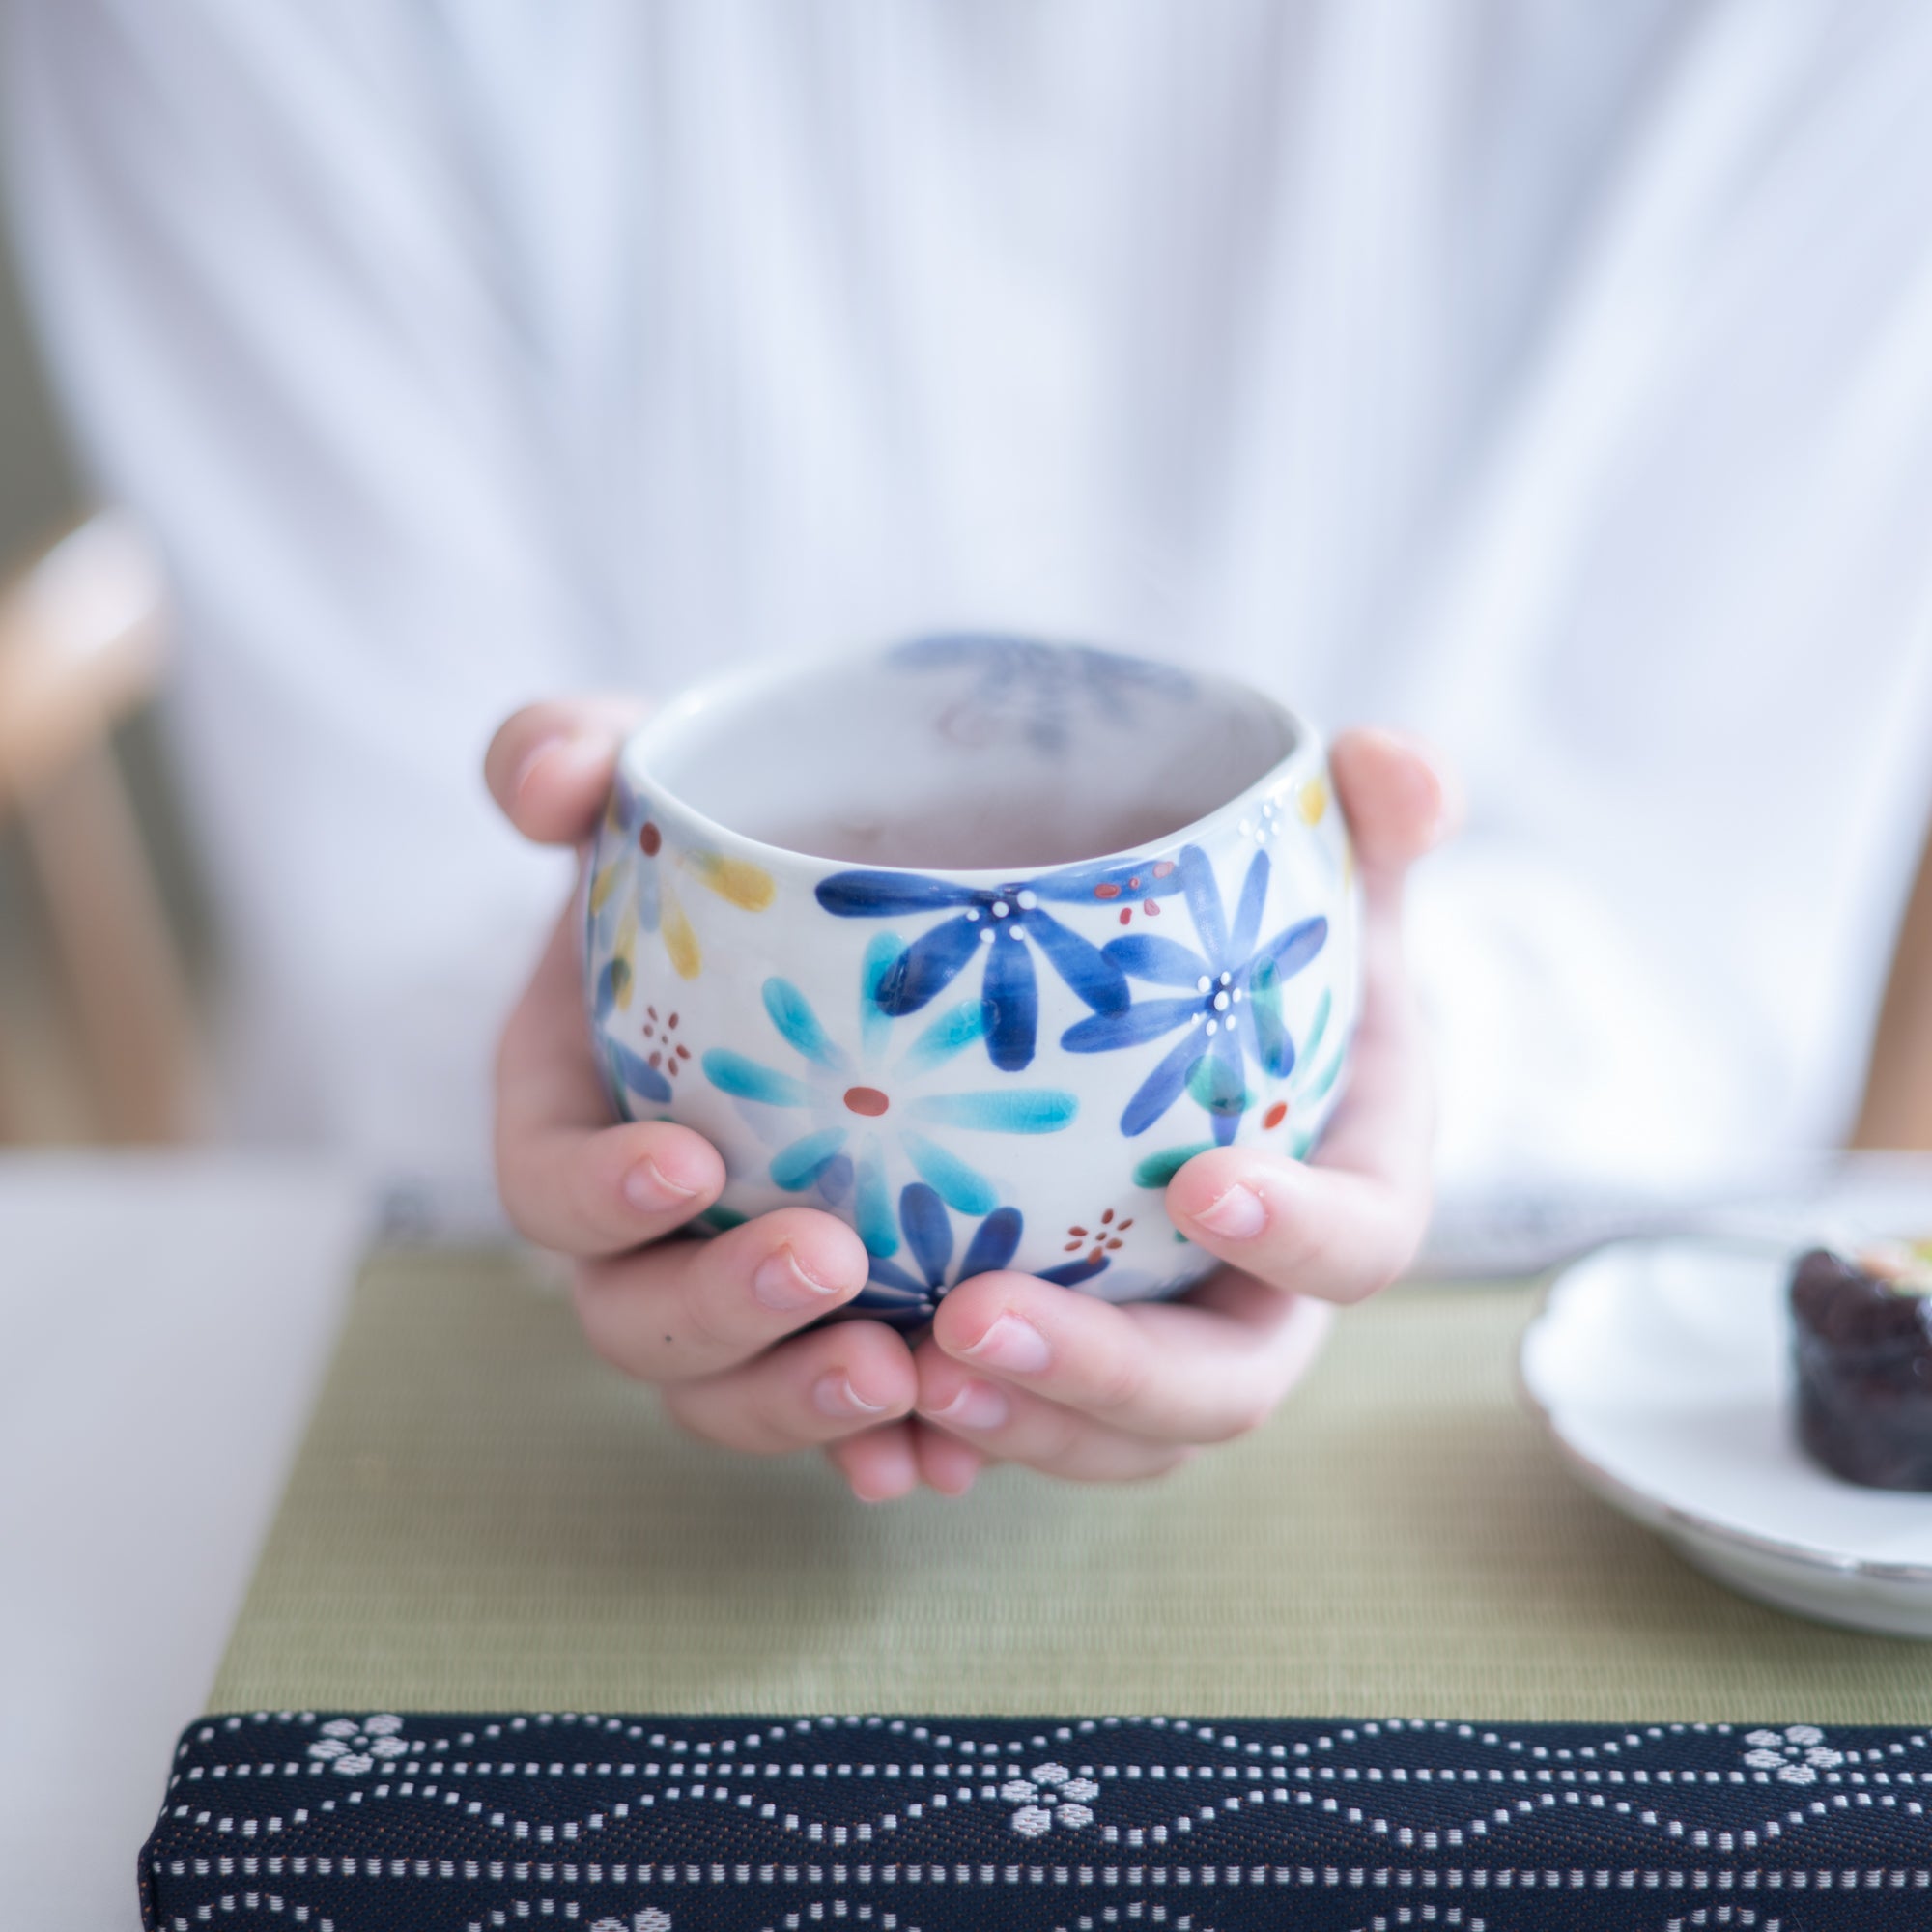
(1863, 1344)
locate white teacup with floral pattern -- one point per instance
(972, 942)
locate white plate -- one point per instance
(1661, 1370)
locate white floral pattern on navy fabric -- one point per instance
(352, 1748)
(1051, 1792)
(776, 1824)
(1798, 1753)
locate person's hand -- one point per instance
(1018, 1370)
(713, 1324)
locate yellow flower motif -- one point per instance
(637, 877)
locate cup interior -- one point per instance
(965, 752)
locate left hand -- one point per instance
(1018, 1370)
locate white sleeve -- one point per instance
(269, 286)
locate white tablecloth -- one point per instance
(163, 1321)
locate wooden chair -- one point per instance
(1897, 1107)
(82, 645)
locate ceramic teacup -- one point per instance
(973, 942)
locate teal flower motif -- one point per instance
(865, 1113)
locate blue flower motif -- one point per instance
(907, 1296)
(1232, 1008)
(998, 922)
(1043, 687)
(860, 1111)
(628, 1074)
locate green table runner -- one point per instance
(485, 1518)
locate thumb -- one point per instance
(550, 765)
(1401, 802)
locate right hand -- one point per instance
(713, 1324)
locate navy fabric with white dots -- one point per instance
(376, 1821)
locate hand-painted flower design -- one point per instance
(1039, 685)
(633, 891)
(906, 1297)
(1307, 1086)
(1002, 923)
(353, 1748)
(652, 1918)
(1101, 1240)
(1795, 1754)
(860, 1111)
(1051, 1794)
(1232, 1009)
(649, 1073)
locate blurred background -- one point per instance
(67, 1074)
(1558, 408)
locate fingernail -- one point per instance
(834, 1395)
(1239, 1216)
(531, 760)
(780, 1283)
(1011, 1344)
(976, 1405)
(578, 755)
(647, 1191)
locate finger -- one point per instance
(1201, 1370)
(819, 1389)
(879, 1465)
(1399, 800)
(1338, 1232)
(1009, 1424)
(947, 1465)
(1350, 1222)
(550, 765)
(569, 1179)
(684, 1310)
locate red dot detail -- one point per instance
(1275, 1115)
(1106, 891)
(1126, 913)
(1151, 910)
(866, 1100)
(651, 839)
(1162, 867)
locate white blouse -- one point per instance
(1556, 380)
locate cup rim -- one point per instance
(633, 762)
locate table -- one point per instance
(490, 1660)
(152, 1394)
(151, 1397)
